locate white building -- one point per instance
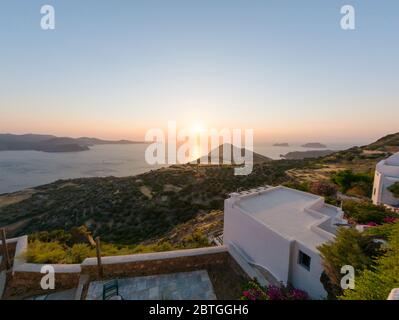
(386, 174)
(278, 230)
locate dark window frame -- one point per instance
(304, 260)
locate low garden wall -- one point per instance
(157, 263)
(25, 278)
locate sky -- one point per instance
(114, 69)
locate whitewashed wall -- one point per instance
(260, 244)
(308, 280)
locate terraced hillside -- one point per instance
(132, 209)
(149, 206)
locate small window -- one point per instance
(304, 260)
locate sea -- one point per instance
(26, 169)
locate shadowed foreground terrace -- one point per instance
(205, 273)
(194, 285)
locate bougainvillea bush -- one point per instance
(363, 212)
(254, 291)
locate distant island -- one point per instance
(255, 157)
(314, 145)
(283, 144)
(50, 143)
(299, 155)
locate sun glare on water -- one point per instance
(197, 129)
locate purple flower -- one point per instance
(297, 294)
(254, 292)
(275, 293)
(390, 219)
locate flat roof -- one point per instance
(286, 211)
(389, 166)
(393, 160)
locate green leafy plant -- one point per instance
(376, 283)
(46, 252)
(361, 183)
(394, 189)
(323, 188)
(59, 246)
(350, 247)
(254, 291)
(365, 212)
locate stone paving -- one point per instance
(2, 282)
(59, 295)
(175, 286)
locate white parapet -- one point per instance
(20, 252)
(155, 256)
(394, 295)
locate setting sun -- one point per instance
(197, 128)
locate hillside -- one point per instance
(307, 154)
(389, 143)
(49, 143)
(314, 145)
(361, 160)
(281, 144)
(230, 150)
(133, 209)
(147, 207)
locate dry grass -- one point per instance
(146, 191)
(16, 197)
(227, 280)
(209, 224)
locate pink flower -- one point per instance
(275, 293)
(390, 219)
(254, 294)
(297, 294)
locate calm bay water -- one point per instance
(24, 169)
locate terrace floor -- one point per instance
(176, 286)
(59, 295)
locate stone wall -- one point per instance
(11, 245)
(157, 263)
(24, 278)
(27, 283)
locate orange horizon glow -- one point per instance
(321, 132)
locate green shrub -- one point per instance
(46, 252)
(79, 252)
(395, 189)
(350, 247)
(347, 179)
(376, 283)
(55, 252)
(323, 188)
(254, 291)
(365, 212)
(195, 240)
(301, 186)
(60, 236)
(381, 232)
